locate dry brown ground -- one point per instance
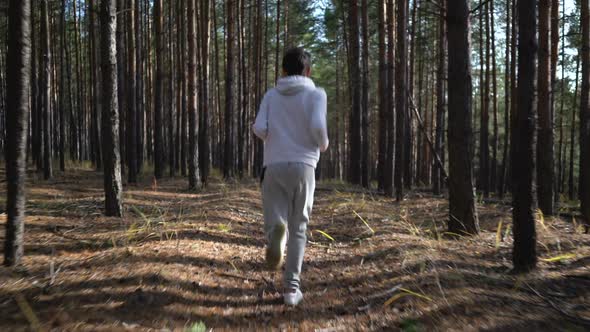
(178, 259)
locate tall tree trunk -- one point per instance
(170, 101)
(462, 212)
(401, 97)
(183, 108)
(557, 181)
(139, 86)
(194, 180)
(383, 108)
(46, 89)
(440, 100)
(36, 126)
(95, 89)
(571, 185)
(484, 144)
(204, 145)
(278, 40)
(523, 166)
(494, 163)
(366, 137)
(110, 119)
(228, 165)
(18, 73)
(159, 163)
(131, 95)
(355, 169)
(389, 160)
(545, 173)
(584, 178)
(507, 99)
(62, 90)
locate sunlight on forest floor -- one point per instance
(179, 260)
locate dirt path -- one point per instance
(180, 260)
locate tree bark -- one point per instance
(18, 73)
(440, 102)
(46, 89)
(463, 217)
(110, 118)
(584, 178)
(131, 95)
(507, 104)
(571, 183)
(389, 160)
(366, 137)
(545, 173)
(204, 145)
(523, 166)
(228, 165)
(401, 108)
(194, 180)
(494, 162)
(382, 167)
(355, 169)
(159, 163)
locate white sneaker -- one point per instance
(276, 247)
(294, 298)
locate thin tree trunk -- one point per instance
(523, 166)
(110, 119)
(571, 185)
(278, 40)
(440, 100)
(46, 89)
(584, 178)
(170, 100)
(389, 160)
(131, 95)
(545, 173)
(355, 170)
(18, 73)
(462, 211)
(204, 147)
(401, 97)
(382, 167)
(194, 180)
(228, 165)
(158, 94)
(494, 163)
(507, 96)
(62, 90)
(366, 137)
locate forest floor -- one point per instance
(194, 261)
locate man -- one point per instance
(292, 124)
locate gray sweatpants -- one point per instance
(287, 198)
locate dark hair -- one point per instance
(296, 61)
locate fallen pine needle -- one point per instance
(416, 294)
(394, 298)
(326, 235)
(558, 258)
(363, 220)
(405, 292)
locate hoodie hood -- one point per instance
(292, 85)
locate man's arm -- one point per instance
(260, 127)
(318, 126)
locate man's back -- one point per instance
(292, 122)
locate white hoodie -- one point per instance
(292, 122)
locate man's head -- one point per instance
(297, 62)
